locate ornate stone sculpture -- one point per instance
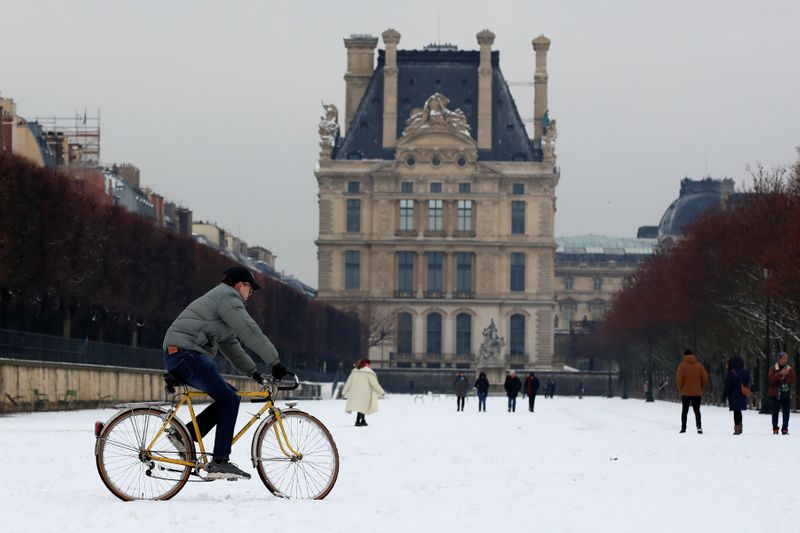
(549, 141)
(491, 346)
(435, 113)
(328, 127)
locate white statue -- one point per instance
(435, 113)
(329, 125)
(492, 344)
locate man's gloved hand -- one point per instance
(278, 371)
(258, 377)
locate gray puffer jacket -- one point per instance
(216, 321)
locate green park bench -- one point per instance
(68, 399)
(104, 400)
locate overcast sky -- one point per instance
(218, 102)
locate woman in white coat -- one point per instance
(362, 391)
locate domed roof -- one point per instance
(696, 197)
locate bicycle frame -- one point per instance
(186, 399)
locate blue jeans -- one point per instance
(200, 371)
(482, 401)
(780, 405)
(512, 403)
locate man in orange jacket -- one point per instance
(691, 380)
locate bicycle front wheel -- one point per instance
(128, 470)
(311, 476)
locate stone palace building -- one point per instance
(436, 208)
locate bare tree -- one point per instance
(378, 321)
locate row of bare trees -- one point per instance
(73, 266)
(730, 285)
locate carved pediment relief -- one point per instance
(437, 135)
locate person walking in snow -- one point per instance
(691, 379)
(738, 376)
(482, 385)
(362, 391)
(781, 378)
(461, 387)
(531, 389)
(512, 387)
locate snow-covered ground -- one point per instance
(586, 465)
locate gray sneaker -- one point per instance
(175, 439)
(225, 470)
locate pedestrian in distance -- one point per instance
(362, 391)
(580, 390)
(781, 378)
(512, 387)
(736, 390)
(218, 321)
(482, 386)
(461, 387)
(530, 389)
(553, 389)
(548, 388)
(691, 379)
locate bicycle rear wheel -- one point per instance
(127, 470)
(313, 475)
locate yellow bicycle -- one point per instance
(144, 452)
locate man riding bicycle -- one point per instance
(218, 321)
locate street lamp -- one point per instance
(767, 274)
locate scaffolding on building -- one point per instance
(73, 140)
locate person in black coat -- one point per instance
(531, 389)
(482, 384)
(512, 387)
(737, 376)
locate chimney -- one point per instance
(390, 40)
(360, 60)
(541, 45)
(485, 40)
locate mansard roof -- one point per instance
(453, 73)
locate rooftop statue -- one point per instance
(435, 113)
(329, 125)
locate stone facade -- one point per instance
(442, 232)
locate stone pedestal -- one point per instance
(496, 374)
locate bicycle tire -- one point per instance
(311, 477)
(123, 468)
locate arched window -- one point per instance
(517, 335)
(434, 330)
(404, 333)
(598, 283)
(463, 334)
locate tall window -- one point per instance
(465, 215)
(434, 327)
(517, 272)
(406, 215)
(352, 269)
(435, 260)
(569, 281)
(464, 272)
(353, 215)
(598, 283)
(404, 333)
(517, 218)
(568, 310)
(517, 335)
(406, 186)
(353, 186)
(597, 309)
(405, 271)
(463, 334)
(435, 215)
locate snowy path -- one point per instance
(575, 465)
